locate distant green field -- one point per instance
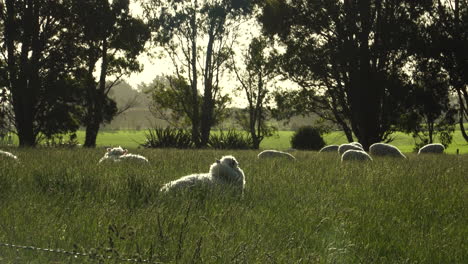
(281, 141)
(132, 139)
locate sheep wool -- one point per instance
(329, 148)
(353, 154)
(7, 155)
(225, 172)
(275, 154)
(356, 144)
(434, 148)
(383, 149)
(344, 147)
(119, 154)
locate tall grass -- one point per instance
(314, 210)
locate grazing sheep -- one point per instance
(356, 144)
(382, 149)
(275, 154)
(222, 172)
(344, 147)
(434, 148)
(353, 154)
(120, 154)
(329, 148)
(7, 155)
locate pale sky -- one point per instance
(160, 66)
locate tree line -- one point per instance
(371, 67)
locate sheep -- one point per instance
(382, 149)
(434, 148)
(329, 148)
(119, 154)
(275, 154)
(344, 147)
(356, 144)
(353, 154)
(223, 172)
(7, 155)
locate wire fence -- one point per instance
(75, 253)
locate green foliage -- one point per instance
(59, 141)
(312, 210)
(307, 138)
(231, 139)
(331, 45)
(168, 138)
(430, 113)
(255, 81)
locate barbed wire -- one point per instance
(74, 253)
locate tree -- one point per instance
(449, 31)
(36, 64)
(180, 27)
(254, 81)
(171, 101)
(430, 112)
(351, 55)
(108, 40)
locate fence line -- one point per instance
(73, 253)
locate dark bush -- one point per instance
(232, 139)
(307, 138)
(168, 138)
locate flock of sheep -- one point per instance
(226, 171)
(354, 151)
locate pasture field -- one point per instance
(280, 141)
(132, 139)
(314, 210)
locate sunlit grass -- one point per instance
(281, 140)
(314, 210)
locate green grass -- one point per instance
(131, 139)
(314, 210)
(281, 141)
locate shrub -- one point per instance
(307, 138)
(231, 140)
(59, 141)
(168, 138)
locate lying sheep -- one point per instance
(344, 147)
(434, 148)
(7, 155)
(353, 154)
(382, 149)
(275, 154)
(223, 172)
(329, 148)
(119, 154)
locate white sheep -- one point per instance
(223, 172)
(434, 148)
(275, 154)
(8, 155)
(353, 154)
(356, 144)
(329, 148)
(119, 154)
(344, 147)
(382, 149)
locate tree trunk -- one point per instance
(96, 99)
(208, 101)
(366, 96)
(22, 87)
(195, 106)
(92, 130)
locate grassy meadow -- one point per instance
(314, 210)
(132, 139)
